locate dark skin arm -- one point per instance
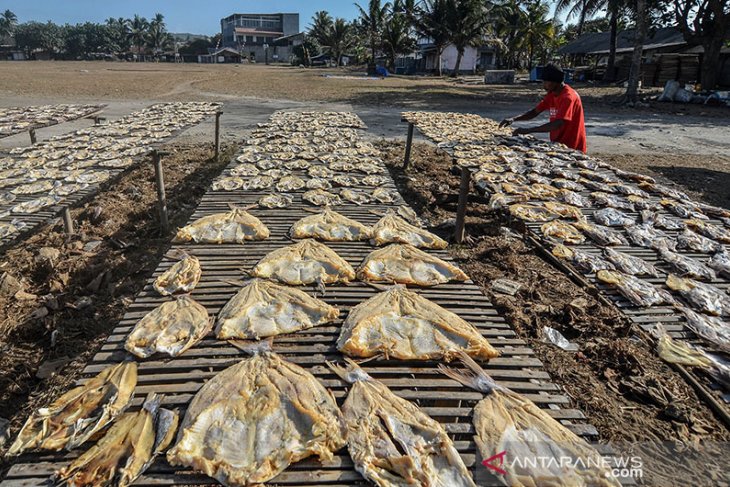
(548, 127)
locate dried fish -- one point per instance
(703, 297)
(182, 277)
(229, 184)
(345, 181)
(254, 419)
(126, 450)
(720, 261)
(613, 201)
(401, 324)
(355, 196)
(505, 421)
(373, 181)
(37, 187)
(693, 241)
(660, 221)
(319, 197)
(601, 235)
(645, 235)
(532, 213)
(318, 183)
(244, 170)
(563, 232)
(264, 309)
(306, 262)
(386, 196)
(612, 217)
(710, 328)
(392, 442)
(6, 198)
(628, 264)
(80, 413)
(330, 226)
(405, 264)
(675, 352)
(683, 210)
(235, 226)
(275, 201)
(566, 211)
(393, 229)
(574, 199)
(258, 182)
(320, 172)
(709, 230)
(587, 263)
(639, 292)
(686, 266)
(290, 183)
(36, 205)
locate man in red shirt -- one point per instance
(566, 112)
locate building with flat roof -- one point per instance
(258, 37)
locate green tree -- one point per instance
(158, 39)
(8, 21)
(34, 36)
(321, 26)
(119, 33)
(537, 31)
(508, 19)
(137, 33)
(304, 52)
(467, 21)
(372, 23)
(428, 21)
(339, 39)
(398, 39)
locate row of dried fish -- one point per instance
(14, 120)
(240, 430)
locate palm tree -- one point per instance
(138, 32)
(119, 30)
(321, 26)
(468, 22)
(429, 22)
(397, 33)
(372, 23)
(339, 39)
(537, 29)
(157, 36)
(583, 9)
(508, 17)
(8, 21)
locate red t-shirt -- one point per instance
(568, 107)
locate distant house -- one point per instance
(262, 37)
(426, 59)
(666, 56)
(220, 56)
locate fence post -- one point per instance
(409, 143)
(218, 134)
(160, 183)
(461, 208)
(33, 139)
(68, 223)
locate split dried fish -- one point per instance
(318, 184)
(639, 292)
(68, 189)
(264, 309)
(645, 235)
(386, 196)
(235, 226)
(345, 181)
(601, 235)
(276, 201)
(720, 261)
(587, 263)
(392, 442)
(628, 264)
(613, 201)
(373, 181)
(171, 328)
(8, 229)
(394, 229)
(244, 170)
(36, 205)
(401, 324)
(675, 352)
(686, 266)
(405, 264)
(126, 450)
(507, 421)
(182, 277)
(563, 232)
(683, 210)
(703, 297)
(306, 262)
(710, 328)
(290, 183)
(276, 173)
(251, 421)
(567, 184)
(320, 172)
(612, 217)
(78, 414)
(232, 183)
(574, 199)
(661, 221)
(258, 182)
(566, 211)
(6, 198)
(37, 187)
(693, 241)
(355, 196)
(709, 230)
(532, 213)
(330, 226)
(319, 197)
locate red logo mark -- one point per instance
(497, 468)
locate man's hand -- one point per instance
(506, 122)
(520, 131)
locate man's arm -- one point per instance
(525, 116)
(548, 127)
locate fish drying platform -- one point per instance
(63, 116)
(646, 317)
(419, 381)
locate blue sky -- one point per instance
(181, 15)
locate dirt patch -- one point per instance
(635, 400)
(75, 289)
(705, 177)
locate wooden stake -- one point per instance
(409, 143)
(68, 223)
(461, 209)
(160, 183)
(218, 134)
(33, 139)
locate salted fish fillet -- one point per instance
(126, 450)
(306, 262)
(401, 324)
(171, 328)
(254, 419)
(706, 298)
(394, 229)
(236, 226)
(405, 264)
(638, 291)
(81, 412)
(330, 226)
(264, 309)
(506, 421)
(182, 277)
(392, 442)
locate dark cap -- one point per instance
(553, 73)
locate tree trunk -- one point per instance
(582, 19)
(710, 62)
(610, 68)
(457, 67)
(438, 60)
(632, 90)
